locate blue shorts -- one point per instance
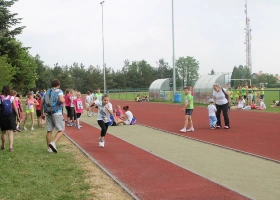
(189, 112)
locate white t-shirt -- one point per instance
(129, 116)
(103, 113)
(262, 105)
(220, 97)
(212, 110)
(88, 99)
(241, 103)
(72, 98)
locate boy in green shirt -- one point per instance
(188, 109)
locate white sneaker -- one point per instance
(190, 130)
(183, 130)
(89, 115)
(53, 147)
(102, 143)
(25, 128)
(32, 129)
(50, 150)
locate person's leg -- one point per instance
(32, 120)
(11, 139)
(211, 121)
(3, 138)
(218, 115)
(191, 122)
(102, 125)
(59, 125)
(25, 119)
(186, 121)
(225, 113)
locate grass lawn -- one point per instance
(270, 95)
(30, 172)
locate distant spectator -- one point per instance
(138, 98)
(262, 105)
(275, 103)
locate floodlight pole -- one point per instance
(104, 70)
(173, 58)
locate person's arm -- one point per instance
(109, 108)
(228, 96)
(35, 102)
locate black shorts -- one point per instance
(38, 113)
(78, 115)
(244, 96)
(68, 111)
(8, 123)
(189, 112)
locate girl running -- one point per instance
(30, 103)
(103, 117)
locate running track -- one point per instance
(253, 132)
(147, 176)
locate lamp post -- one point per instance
(173, 57)
(104, 71)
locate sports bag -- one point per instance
(133, 121)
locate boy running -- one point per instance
(188, 109)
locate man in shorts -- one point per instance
(54, 120)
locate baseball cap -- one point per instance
(211, 100)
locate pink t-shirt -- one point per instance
(118, 113)
(16, 102)
(38, 107)
(79, 105)
(67, 100)
(30, 106)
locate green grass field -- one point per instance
(30, 172)
(270, 95)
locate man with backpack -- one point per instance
(51, 109)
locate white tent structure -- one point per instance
(160, 89)
(203, 88)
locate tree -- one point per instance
(187, 68)
(240, 72)
(7, 72)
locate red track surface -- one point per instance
(253, 132)
(146, 175)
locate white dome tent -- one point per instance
(203, 88)
(160, 89)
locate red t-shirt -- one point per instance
(38, 107)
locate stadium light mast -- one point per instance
(104, 71)
(248, 38)
(173, 57)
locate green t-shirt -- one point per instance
(243, 91)
(98, 96)
(189, 98)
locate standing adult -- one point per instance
(7, 119)
(221, 97)
(52, 109)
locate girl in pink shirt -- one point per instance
(67, 104)
(17, 102)
(78, 103)
(30, 107)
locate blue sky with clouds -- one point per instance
(67, 31)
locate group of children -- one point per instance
(248, 97)
(144, 98)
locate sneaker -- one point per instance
(190, 130)
(183, 130)
(81, 126)
(18, 130)
(226, 127)
(32, 129)
(50, 150)
(53, 147)
(89, 115)
(102, 143)
(25, 128)
(218, 126)
(70, 124)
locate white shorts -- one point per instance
(250, 96)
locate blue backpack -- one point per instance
(6, 106)
(51, 101)
(133, 121)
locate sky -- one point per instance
(68, 31)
